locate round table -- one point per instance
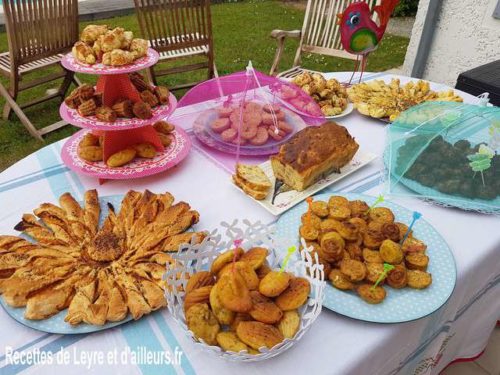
(335, 344)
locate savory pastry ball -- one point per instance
(198, 280)
(311, 219)
(359, 208)
(370, 294)
(83, 53)
(359, 223)
(105, 114)
(412, 245)
(416, 261)
(234, 293)
(223, 315)
(329, 225)
(274, 283)
(339, 212)
(391, 252)
(353, 269)
(90, 153)
(354, 251)
(320, 208)
(397, 278)
(139, 47)
(256, 256)
(225, 258)
(340, 281)
(372, 256)
(163, 127)
(337, 200)
(390, 231)
(309, 232)
(145, 150)
(295, 295)
(290, 323)
(264, 309)
(419, 279)
(202, 322)
(89, 139)
(372, 239)
(230, 342)
(373, 272)
(258, 335)
(332, 247)
(121, 158)
(348, 231)
(199, 295)
(142, 110)
(381, 214)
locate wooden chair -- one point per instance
(178, 29)
(320, 34)
(39, 32)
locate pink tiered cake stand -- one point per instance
(114, 83)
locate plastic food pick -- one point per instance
(481, 160)
(237, 244)
(380, 199)
(289, 253)
(309, 201)
(387, 267)
(416, 216)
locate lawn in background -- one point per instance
(241, 33)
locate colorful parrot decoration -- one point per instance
(359, 33)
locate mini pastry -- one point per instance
(117, 57)
(105, 114)
(142, 110)
(87, 108)
(164, 127)
(145, 150)
(139, 47)
(123, 108)
(86, 91)
(121, 157)
(139, 82)
(82, 52)
(73, 99)
(92, 32)
(149, 97)
(162, 93)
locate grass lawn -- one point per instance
(241, 33)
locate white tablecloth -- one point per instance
(334, 345)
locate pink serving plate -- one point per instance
(139, 167)
(70, 63)
(91, 122)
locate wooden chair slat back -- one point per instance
(40, 28)
(175, 24)
(320, 28)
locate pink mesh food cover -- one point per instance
(249, 113)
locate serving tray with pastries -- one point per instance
(380, 268)
(82, 267)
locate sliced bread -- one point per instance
(253, 177)
(256, 194)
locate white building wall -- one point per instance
(466, 36)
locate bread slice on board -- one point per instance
(254, 177)
(256, 194)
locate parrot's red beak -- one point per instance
(339, 18)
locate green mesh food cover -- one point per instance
(446, 153)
